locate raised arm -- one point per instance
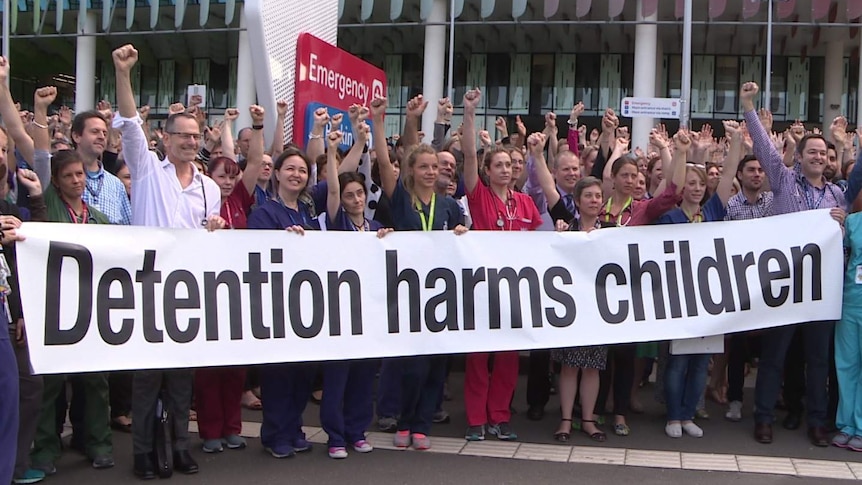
(442, 123)
(278, 136)
(468, 140)
(764, 150)
(731, 161)
(228, 148)
(136, 147)
(415, 108)
(333, 193)
(254, 162)
(11, 118)
(619, 149)
(551, 131)
(316, 144)
(387, 172)
(536, 144)
(682, 143)
(354, 156)
(42, 98)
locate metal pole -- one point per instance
(767, 88)
(6, 5)
(450, 91)
(685, 99)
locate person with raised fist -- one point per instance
(165, 193)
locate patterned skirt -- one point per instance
(590, 357)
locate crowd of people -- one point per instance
(114, 167)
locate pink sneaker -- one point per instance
(401, 439)
(421, 442)
(363, 446)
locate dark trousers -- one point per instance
(8, 408)
(738, 353)
(389, 389)
(347, 406)
(620, 375)
(538, 379)
(29, 408)
(120, 388)
(775, 342)
(285, 389)
(146, 388)
(421, 380)
(794, 374)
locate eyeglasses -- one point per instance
(186, 136)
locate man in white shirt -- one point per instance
(165, 193)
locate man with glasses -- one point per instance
(801, 188)
(165, 193)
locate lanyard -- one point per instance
(696, 217)
(229, 213)
(808, 199)
(291, 211)
(95, 193)
(608, 214)
(428, 224)
(85, 214)
(362, 227)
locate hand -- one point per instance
(145, 112)
(421, 135)
(658, 139)
(561, 226)
(383, 231)
(214, 132)
(816, 131)
(704, 139)
(460, 229)
(9, 223)
(621, 146)
(125, 58)
(797, 132)
(335, 121)
(196, 100)
(500, 125)
(10, 236)
(536, 144)
(765, 118)
(551, 123)
(378, 108)
(321, 119)
(296, 230)
(65, 115)
(416, 106)
(363, 133)
(732, 129)
(334, 140)
(281, 108)
(582, 135)
(353, 114)
(471, 100)
(522, 128)
(746, 95)
(838, 214)
(609, 121)
(20, 333)
(43, 97)
(485, 138)
(231, 114)
(577, 111)
(176, 108)
(777, 140)
(4, 70)
(257, 114)
(594, 136)
(30, 180)
(623, 132)
(104, 109)
(838, 129)
(682, 141)
(214, 223)
(444, 111)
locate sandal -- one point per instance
(599, 436)
(120, 424)
(250, 401)
(622, 429)
(563, 436)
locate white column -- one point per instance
(435, 65)
(859, 91)
(246, 95)
(833, 82)
(645, 74)
(85, 64)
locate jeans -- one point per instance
(684, 383)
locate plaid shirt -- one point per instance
(107, 194)
(740, 209)
(791, 190)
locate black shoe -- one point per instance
(103, 461)
(536, 413)
(144, 468)
(792, 421)
(184, 463)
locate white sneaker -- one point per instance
(692, 430)
(363, 446)
(338, 452)
(673, 430)
(734, 411)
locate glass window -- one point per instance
(460, 69)
(797, 88)
(674, 77)
(778, 103)
(587, 71)
(702, 86)
(564, 82)
(726, 84)
(498, 82)
(519, 84)
(542, 84)
(219, 79)
(816, 85)
(411, 79)
(149, 85)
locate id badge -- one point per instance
(859, 274)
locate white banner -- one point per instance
(138, 297)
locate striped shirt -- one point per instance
(792, 192)
(740, 209)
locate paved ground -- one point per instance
(647, 456)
